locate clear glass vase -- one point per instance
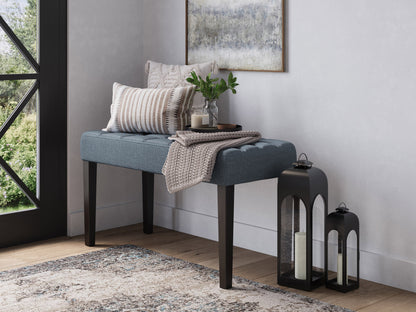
(211, 109)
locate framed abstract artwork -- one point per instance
(237, 34)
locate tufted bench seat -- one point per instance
(147, 152)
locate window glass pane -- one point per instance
(18, 147)
(21, 16)
(11, 93)
(11, 60)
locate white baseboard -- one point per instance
(206, 226)
(108, 217)
(373, 267)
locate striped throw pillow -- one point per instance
(172, 76)
(161, 110)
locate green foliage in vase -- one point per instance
(211, 89)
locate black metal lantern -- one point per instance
(300, 183)
(343, 222)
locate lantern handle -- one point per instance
(342, 208)
(303, 163)
(303, 154)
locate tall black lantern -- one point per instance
(343, 222)
(302, 182)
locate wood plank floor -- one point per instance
(370, 297)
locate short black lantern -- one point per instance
(343, 222)
(302, 182)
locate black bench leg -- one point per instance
(90, 195)
(147, 191)
(225, 233)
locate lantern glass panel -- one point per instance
(318, 234)
(293, 248)
(335, 265)
(352, 256)
(332, 254)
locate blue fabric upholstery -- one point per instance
(262, 160)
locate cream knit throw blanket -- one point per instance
(191, 157)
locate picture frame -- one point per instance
(240, 35)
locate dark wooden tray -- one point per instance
(208, 129)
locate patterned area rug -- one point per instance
(129, 278)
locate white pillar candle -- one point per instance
(340, 269)
(196, 121)
(300, 255)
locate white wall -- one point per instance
(346, 100)
(104, 45)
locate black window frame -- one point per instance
(50, 220)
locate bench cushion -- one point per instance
(264, 159)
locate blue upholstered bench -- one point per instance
(147, 152)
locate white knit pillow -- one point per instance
(161, 110)
(172, 76)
